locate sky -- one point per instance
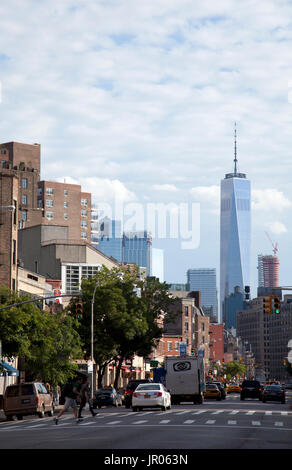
(136, 101)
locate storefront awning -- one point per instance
(9, 370)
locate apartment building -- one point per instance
(67, 205)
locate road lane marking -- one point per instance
(182, 412)
(114, 422)
(164, 421)
(268, 413)
(211, 421)
(140, 422)
(231, 422)
(279, 423)
(234, 412)
(199, 412)
(250, 413)
(189, 421)
(284, 413)
(256, 423)
(217, 412)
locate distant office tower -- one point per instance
(234, 232)
(65, 204)
(110, 238)
(24, 161)
(204, 280)
(137, 247)
(232, 303)
(157, 264)
(268, 271)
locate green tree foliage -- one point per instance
(125, 323)
(233, 369)
(47, 342)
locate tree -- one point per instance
(45, 342)
(233, 369)
(125, 323)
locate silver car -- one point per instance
(151, 395)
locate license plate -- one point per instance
(147, 396)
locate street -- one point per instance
(226, 424)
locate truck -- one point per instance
(183, 377)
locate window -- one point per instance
(83, 213)
(24, 199)
(169, 345)
(24, 215)
(66, 204)
(65, 216)
(39, 192)
(84, 235)
(49, 191)
(14, 252)
(84, 202)
(65, 192)
(24, 183)
(84, 223)
(176, 346)
(186, 311)
(49, 203)
(49, 215)
(203, 326)
(186, 327)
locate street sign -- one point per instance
(153, 363)
(182, 349)
(90, 367)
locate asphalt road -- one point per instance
(227, 424)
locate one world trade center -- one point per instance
(235, 226)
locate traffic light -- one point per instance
(276, 304)
(79, 310)
(267, 304)
(192, 351)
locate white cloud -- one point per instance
(165, 187)
(277, 227)
(208, 196)
(268, 200)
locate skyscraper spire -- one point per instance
(235, 151)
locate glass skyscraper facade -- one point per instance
(110, 238)
(235, 226)
(137, 249)
(204, 280)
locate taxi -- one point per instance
(212, 391)
(233, 388)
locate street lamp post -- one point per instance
(92, 324)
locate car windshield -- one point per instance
(133, 385)
(148, 387)
(212, 386)
(273, 387)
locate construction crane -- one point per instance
(274, 245)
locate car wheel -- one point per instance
(51, 411)
(19, 417)
(41, 414)
(163, 408)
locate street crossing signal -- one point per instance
(276, 304)
(79, 310)
(267, 304)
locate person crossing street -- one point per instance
(72, 394)
(85, 398)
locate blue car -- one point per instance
(107, 396)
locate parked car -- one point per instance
(250, 389)
(273, 393)
(233, 388)
(151, 395)
(288, 386)
(131, 387)
(27, 398)
(212, 391)
(221, 388)
(107, 396)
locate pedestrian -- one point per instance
(72, 395)
(85, 399)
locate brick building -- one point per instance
(8, 230)
(23, 161)
(65, 204)
(216, 344)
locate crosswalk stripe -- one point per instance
(140, 422)
(234, 412)
(164, 421)
(199, 412)
(284, 413)
(114, 422)
(182, 412)
(256, 423)
(189, 421)
(279, 423)
(268, 413)
(217, 412)
(231, 422)
(211, 421)
(250, 413)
